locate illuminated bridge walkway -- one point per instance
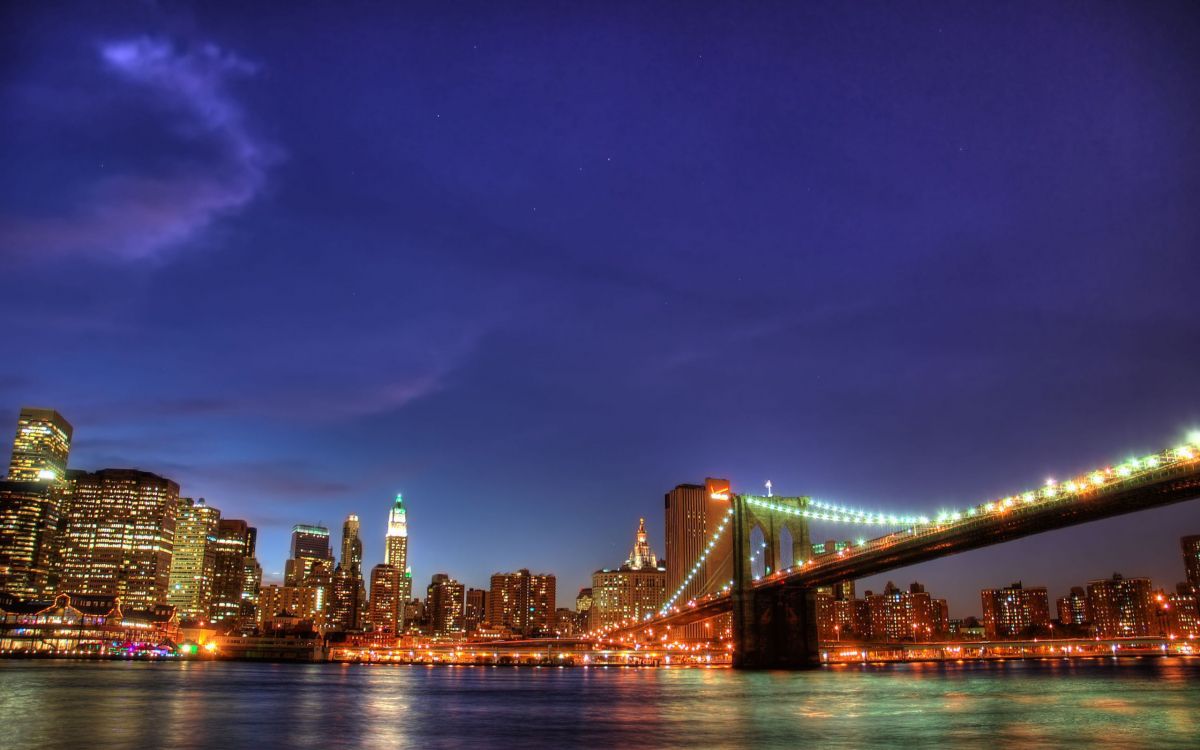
(774, 614)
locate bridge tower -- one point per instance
(777, 628)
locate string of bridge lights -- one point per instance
(1052, 491)
(699, 562)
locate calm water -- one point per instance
(1148, 703)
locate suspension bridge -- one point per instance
(758, 566)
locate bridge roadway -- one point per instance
(1168, 484)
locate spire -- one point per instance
(642, 556)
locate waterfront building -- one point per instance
(475, 611)
(565, 622)
(1072, 608)
(310, 546)
(897, 615)
(1190, 546)
(693, 513)
(637, 588)
(444, 606)
(385, 599)
(119, 535)
(1121, 607)
(251, 574)
(41, 446)
(838, 613)
(94, 624)
(414, 616)
(231, 548)
(193, 559)
(1015, 611)
(523, 602)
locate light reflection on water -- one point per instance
(1151, 703)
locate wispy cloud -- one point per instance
(140, 215)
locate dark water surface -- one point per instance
(1146, 703)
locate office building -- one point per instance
(396, 546)
(1121, 607)
(693, 513)
(231, 548)
(352, 566)
(193, 559)
(630, 592)
(119, 535)
(310, 546)
(41, 446)
(29, 519)
(1015, 611)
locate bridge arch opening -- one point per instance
(786, 560)
(758, 549)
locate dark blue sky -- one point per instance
(533, 266)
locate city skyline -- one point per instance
(38, 439)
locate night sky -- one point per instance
(535, 265)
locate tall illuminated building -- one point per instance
(444, 606)
(1015, 610)
(251, 572)
(396, 550)
(41, 446)
(310, 545)
(119, 535)
(352, 565)
(693, 513)
(475, 611)
(31, 504)
(193, 559)
(231, 548)
(385, 600)
(1072, 608)
(913, 615)
(629, 593)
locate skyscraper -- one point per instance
(231, 549)
(693, 513)
(31, 504)
(444, 606)
(41, 446)
(396, 549)
(352, 564)
(193, 560)
(119, 535)
(1015, 611)
(310, 544)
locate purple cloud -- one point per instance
(134, 216)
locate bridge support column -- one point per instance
(773, 628)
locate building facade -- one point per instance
(193, 560)
(1190, 546)
(385, 599)
(119, 535)
(523, 602)
(693, 513)
(41, 446)
(1015, 611)
(1121, 607)
(231, 548)
(1072, 608)
(444, 606)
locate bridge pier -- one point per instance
(772, 629)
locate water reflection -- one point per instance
(1115, 704)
